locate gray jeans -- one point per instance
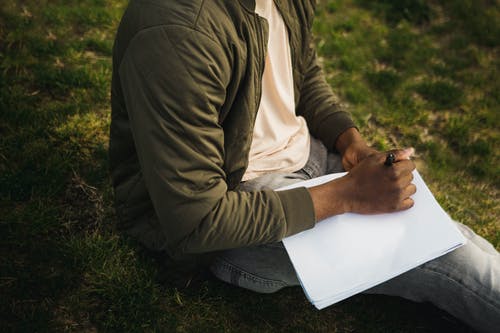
(465, 282)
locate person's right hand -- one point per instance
(371, 187)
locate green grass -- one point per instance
(415, 73)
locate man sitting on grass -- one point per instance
(217, 103)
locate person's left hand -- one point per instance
(355, 153)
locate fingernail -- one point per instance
(409, 151)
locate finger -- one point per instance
(367, 152)
(403, 167)
(405, 180)
(347, 164)
(407, 204)
(400, 171)
(408, 191)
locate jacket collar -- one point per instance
(249, 5)
(283, 8)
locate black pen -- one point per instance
(391, 158)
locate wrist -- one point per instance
(330, 199)
(347, 138)
(344, 193)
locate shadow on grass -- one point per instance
(65, 267)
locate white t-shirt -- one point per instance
(280, 139)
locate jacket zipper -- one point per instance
(262, 60)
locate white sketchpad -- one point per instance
(349, 253)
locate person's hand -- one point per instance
(353, 148)
(374, 187)
(355, 153)
(371, 187)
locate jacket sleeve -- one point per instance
(174, 81)
(325, 116)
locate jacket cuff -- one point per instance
(299, 210)
(333, 126)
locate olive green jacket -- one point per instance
(185, 93)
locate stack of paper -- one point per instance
(347, 254)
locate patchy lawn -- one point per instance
(415, 73)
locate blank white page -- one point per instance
(349, 253)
